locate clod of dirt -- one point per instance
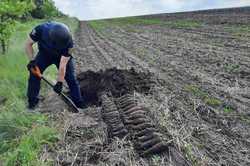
(116, 81)
(204, 111)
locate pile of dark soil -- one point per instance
(116, 81)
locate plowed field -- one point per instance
(186, 77)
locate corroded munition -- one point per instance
(112, 118)
(146, 138)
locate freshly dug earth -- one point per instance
(116, 81)
(191, 73)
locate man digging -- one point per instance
(54, 44)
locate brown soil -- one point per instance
(116, 81)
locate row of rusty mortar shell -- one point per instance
(147, 140)
(111, 117)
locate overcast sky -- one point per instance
(97, 9)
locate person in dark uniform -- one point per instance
(55, 45)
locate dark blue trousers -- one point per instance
(43, 61)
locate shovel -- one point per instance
(36, 71)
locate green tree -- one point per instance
(45, 9)
(10, 11)
(50, 9)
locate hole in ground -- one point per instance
(116, 81)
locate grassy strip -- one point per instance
(13, 71)
(22, 135)
(102, 24)
(238, 30)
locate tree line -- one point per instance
(12, 11)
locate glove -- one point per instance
(32, 64)
(58, 87)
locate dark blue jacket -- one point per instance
(40, 34)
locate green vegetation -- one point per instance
(231, 67)
(30, 146)
(239, 30)
(16, 125)
(135, 21)
(45, 9)
(10, 10)
(245, 119)
(227, 109)
(99, 25)
(209, 100)
(13, 71)
(212, 101)
(189, 154)
(203, 95)
(196, 91)
(22, 135)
